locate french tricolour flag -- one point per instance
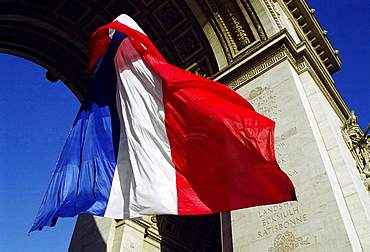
(151, 138)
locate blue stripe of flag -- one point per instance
(83, 176)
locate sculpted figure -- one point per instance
(360, 144)
(351, 131)
(365, 150)
(365, 153)
(366, 176)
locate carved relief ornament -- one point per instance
(233, 24)
(287, 242)
(359, 145)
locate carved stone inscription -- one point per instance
(280, 143)
(263, 100)
(278, 218)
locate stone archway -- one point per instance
(202, 36)
(56, 34)
(264, 49)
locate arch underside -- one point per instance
(201, 36)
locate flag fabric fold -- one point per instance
(151, 138)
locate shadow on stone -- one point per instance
(190, 233)
(86, 236)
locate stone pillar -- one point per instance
(97, 234)
(332, 212)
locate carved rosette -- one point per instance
(287, 242)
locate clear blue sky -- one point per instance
(36, 115)
(348, 25)
(35, 118)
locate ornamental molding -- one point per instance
(258, 67)
(253, 72)
(273, 13)
(234, 25)
(263, 56)
(256, 22)
(302, 65)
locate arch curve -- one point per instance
(191, 34)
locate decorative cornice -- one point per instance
(267, 54)
(282, 53)
(311, 30)
(302, 65)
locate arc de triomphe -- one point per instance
(275, 54)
